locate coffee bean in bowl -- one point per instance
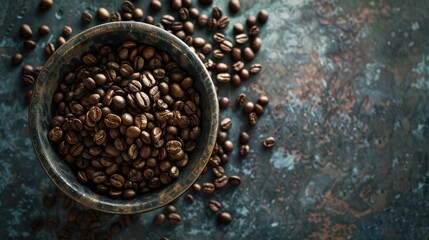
(108, 112)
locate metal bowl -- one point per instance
(66, 59)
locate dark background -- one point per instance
(348, 82)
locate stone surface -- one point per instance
(348, 83)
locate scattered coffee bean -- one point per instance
(226, 46)
(27, 79)
(208, 188)
(202, 20)
(241, 99)
(255, 68)
(221, 67)
(256, 44)
(227, 146)
(206, 49)
(137, 14)
(221, 182)
(29, 44)
(86, 17)
(194, 12)
(234, 180)
(238, 28)
(259, 109)
(45, 4)
(244, 74)
(49, 49)
(237, 66)
(262, 16)
(224, 218)
(234, 6)
(183, 13)
(252, 118)
(27, 69)
(248, 54)
(241, 38)
(214, 206)
(244, 137)
(251, 21)
(116, 16)
(212, 25)
(25, 31)
(189, 198)
(44, 30)
(223, 77)
(223, 102)
(174, 218)
(226, 124)
(67, 31)
(244, 149)
(223, 22)
(159, 219)
(102, 14)
(269, 142)
(217, 53)
(175, 4)
(217, 12)
(60, 41)
(196, 187)
(219, 37)
(254, 31)
(263, 100)
(156, 5)
(248, 107)
(171, 209)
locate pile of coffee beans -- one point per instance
(228, 53)
(126, 119)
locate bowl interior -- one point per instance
(66, 59)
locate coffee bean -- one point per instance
(208, 188)
(226, 124)
(170, 209)
(137, 14)
(183, 13)
(167, 20)
(221, 181)
(49, 49)
(241, 38)
(250, 21)
(234, 5)
(237, 66)
(16, 59)
(127, 6)
(128, 193)
(238, 28)
(174, 218)
(115, 16)
(217, 12)
(45, 4)
(199, 42)
(188, 27)
(223, 22)
(263, 100)
(235, 54)
(219, 37)
(117, 180)
(43, 30)
(248, 54)
(196, 187)
(244, 74)
(159, 219)
(258, 109)
(25, 31)
(27, 69)
(228, 146)
(194, 13)
(254, 31)
(60, 41)
(256, 44)
(175, 4)
(202, 20)
(205, 2)
(214, 206)
(29, 44)
(223, 102)
(252, 118)
(234, 180)
(102, 14)
(212, 25)
(156, 5)
(262, 16)
(221, 67)
(206, 48)
(28, 79)
(224, 218)
(244, 149)
(241, 99)
(248, 107)
(269, 142)
(223, 77)
(255, 68)
(226, 46)
(86, 17)
(217, 53)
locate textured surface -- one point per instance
(348, 82)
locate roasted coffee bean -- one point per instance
(238, 28)
(117, 180)
(212, 25)
(174, 218)
(28, 79)
(234, 5)
(256, 44)
(235, 54)
(167, 20)
(115, 16)
(244, 149)
(45, 4)
(27, 69)
(224, 218)
(16, 59)
(129, 193)
(221, 181)
(259, 109)
(202, 20)
(175, 5)
(102, 14)
(234, 180)
(159, 219)
(269, 142)
(248, 107)
(244, 74)
(189, 198)
(49, 49)
(241, 38)
(255, 68)
(223, 77)
(156, 5)
(86, 17)
(198, 42)
(223, 22)
(25, 31)
(44, 30)
(219, 37)
(214, 206)
(196, 187)
(217, 12)
(60, 41)
(254, 31)
(217, 53)
(226, 46)
(171, 209)
(183, 13)
(252, 118)
(137, 14)
(251, 21)
(263, 100)
(227, 146)
(262, 16)
(237, 66)
(194, 13)
(241, 99)
(29, 44)
(221, 67)
(226, 124)
(244, 137)
(248, 54)
(189, 28)
(223, 102)
(208, 188)
(218, 171)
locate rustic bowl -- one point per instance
(65, 59)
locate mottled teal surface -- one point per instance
(348, 82)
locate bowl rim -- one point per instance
(52, 169)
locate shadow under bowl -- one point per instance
(65, 60)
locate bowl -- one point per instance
(66, 59)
